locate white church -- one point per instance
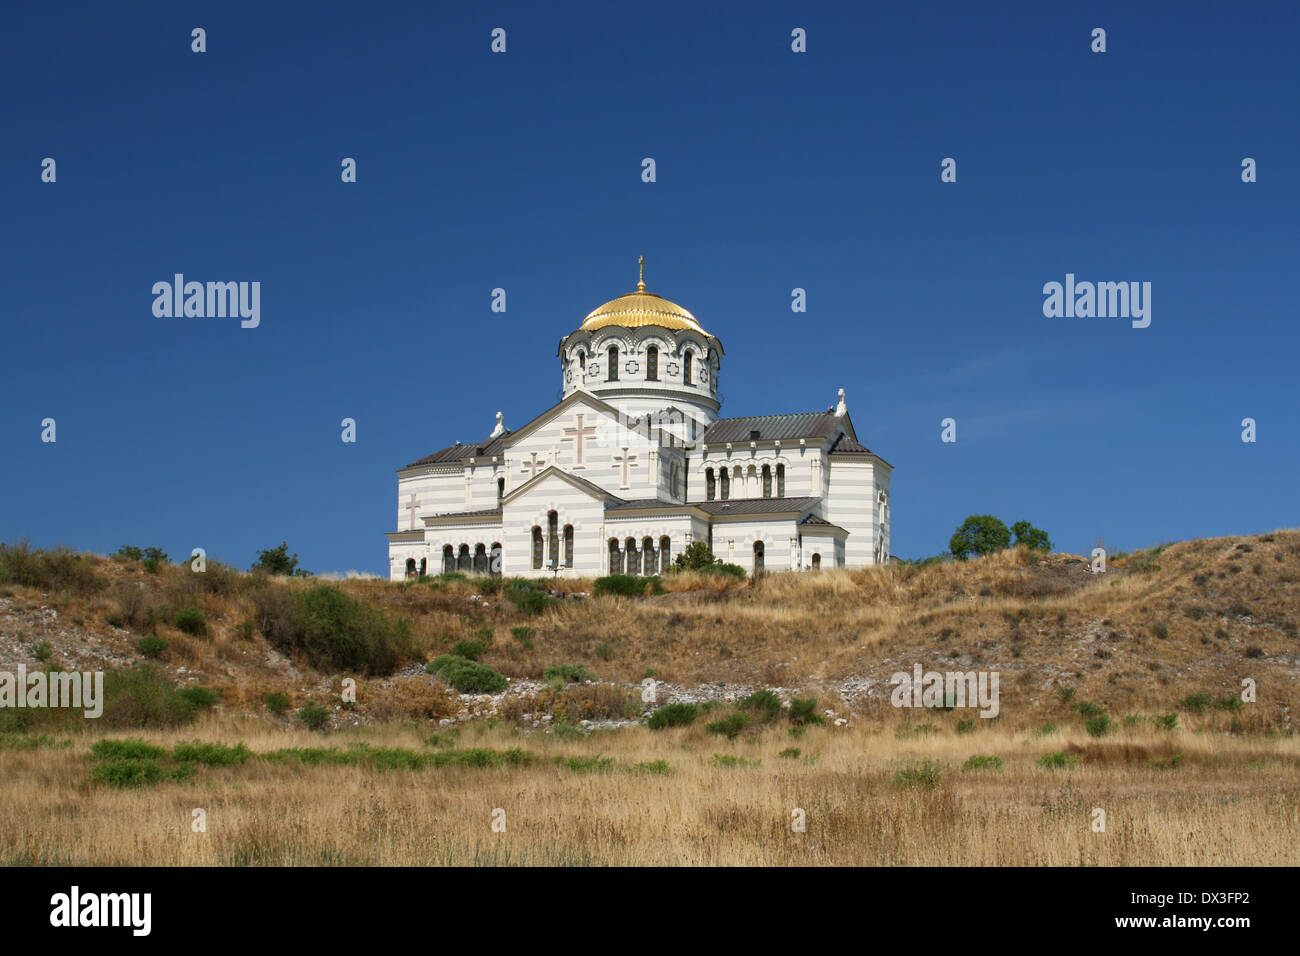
(634, 464)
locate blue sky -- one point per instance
(522, 170)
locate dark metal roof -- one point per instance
(485, 513)
(757, 506)
(770, 427)
(817, 522)
(459, 452)
(848, 446)
(647, 503)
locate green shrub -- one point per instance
(919, 773)
(979, 535)
(129, 748)
(527, 597)
(524, 637)
(1057, 760)
(57, 570)
(731, 725)
(724, 570)
(276, 702)
(211, 755)
(140, 696)
(137, 773)
(1228, 702)
(1098, 726)
(1044, 730)
(190, 620)
(790, 753)
(673, 715)
(1166, 721)
(151, 646)
(596, 764)
(965, 726)
(764, 704)
(314, 716)
(605, 652)
(1066, 694)
(732, 762)
(468, 677)
(657, 767)
(1196, 703)
(276, 561)
(567, 674)
(1087, 708)
(804, 711)
(628, 585)
(470, 650)
(982, 762)
(42, 651)
(332, 630)
(200, 697)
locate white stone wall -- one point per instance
(850, 503)
(733, 542)
(573, 506)
(832, 554)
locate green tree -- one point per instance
(696, 557)
(979, 534)
(1035, 538)
(276, 560)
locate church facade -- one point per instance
(634, 464)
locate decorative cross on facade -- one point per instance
(578, 434)
(624, 460)
(414, 503)
(533, 465)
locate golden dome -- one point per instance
(641, 308)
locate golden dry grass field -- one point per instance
(1120, 693)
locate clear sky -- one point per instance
(522, 170)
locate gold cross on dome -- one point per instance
(640, 286)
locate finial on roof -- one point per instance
(500, 427)
(640, 285)
(841, 408)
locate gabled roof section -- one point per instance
(815, 524)
(495, 446)
(582, 484)
(776, 427)
(489, 514)
(757, 506)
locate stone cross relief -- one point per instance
(625, 461)
(577, 435)
(534, 466)
(411, 506)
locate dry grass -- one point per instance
(1227, 801)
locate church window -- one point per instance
(537, 548)
(726, 484)
(568, 545)
(448, 559)
(424, 565)
(615, 560)
(648, 548)
(553, 537)
(480, 559)
(652, 364)
(817, 561)
(582, 359)
(633, 558)
(686, 367)
(410, 567)
(613, 364)
(665, 546)
(767, 481)
(758, 557)
(709, 483)
(462, 558)
(780, 481)
(495, 566)
(501, 488)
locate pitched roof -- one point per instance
(590, 487)
(458, 452)
(848, 446)
(769, 427)
(484, 513)
(816, 522)
(757, 506)
(647, 503)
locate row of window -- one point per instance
(482, 560)
(553, 539)
(651, 364)
(722, 482)
(629, 560)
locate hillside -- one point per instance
(1193, 618)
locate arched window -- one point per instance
(410, 567)
(648, 549)
(687, 368)
(613, 364)
(582, 359)
(751, 483)
(448, 559)
(495, 566)
(767, 481)
(665, 547)
(480, 559)
(709, 483)
(615, 559)
(817, 561)
(568, 545)
(553, 537)
(537, 548)
(424, 564)
(501, 488)
(652, 364)
(633, 558)
(726, 484)
(780, 481)
(758, 558)
(462, 558)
